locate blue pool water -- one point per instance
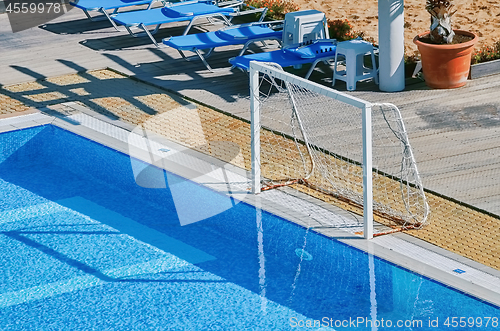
(83, 247)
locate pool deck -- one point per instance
(455, 133)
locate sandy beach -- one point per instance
(480, 16)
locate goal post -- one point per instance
(255, 127)
(334, 143)
(367, 171)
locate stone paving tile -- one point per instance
(454, 227)
(9, 105)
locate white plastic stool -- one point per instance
(354, 52)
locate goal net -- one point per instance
(357, 152)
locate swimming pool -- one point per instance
(85, 247)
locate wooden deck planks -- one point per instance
(446, 145)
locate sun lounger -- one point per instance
(179, 12)
(292, 55)
(244, 34)
(103, 6)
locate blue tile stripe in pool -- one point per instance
(86, 248)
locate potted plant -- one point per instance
(445, 53)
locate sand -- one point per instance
(479, 16)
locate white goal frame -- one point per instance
(366, 108)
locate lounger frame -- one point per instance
(326, 57)
(226, 18)
(246, 44)
(107, 16)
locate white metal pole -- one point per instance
(391, 45)
(255, 128)
(367, 173)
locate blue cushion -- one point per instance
(108, 4)
(220, 38)
(278, 56)
(248, 32)
(196, 9)
(291, 55)
(167, 15)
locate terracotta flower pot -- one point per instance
(446, 66)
